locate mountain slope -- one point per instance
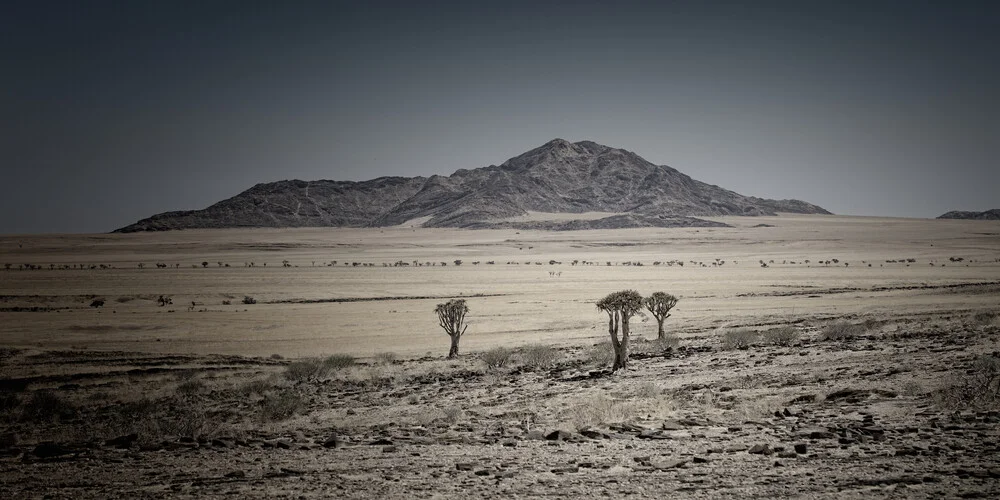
(557, 177)
(959, 214)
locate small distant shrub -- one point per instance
(601, 355)
(841, 330)
(782, 336)
(255, 386)
(739, 338)
(912, 388)
(385, 358)
(227, 302)
(539, 356)
(497, 358)
(44, 406)
(192, 386)
(339, 362)
(667, 342)
(985, 318)
(249, 300)
(304, 369)
(452, 414)
(280, 405)
(277, 356)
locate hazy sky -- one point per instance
(113, 111)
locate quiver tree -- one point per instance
(620, 307)
(451, 316)
(660, 304)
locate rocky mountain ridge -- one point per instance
(993, 214)
(557, 177)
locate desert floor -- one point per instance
(208, 396)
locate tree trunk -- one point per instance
(659, 330)
(453, 352)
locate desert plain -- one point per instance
(808, 356)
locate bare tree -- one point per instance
(660, 304)
(451, 316)
(620, 306)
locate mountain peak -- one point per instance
(556, 177)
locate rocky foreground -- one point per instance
(880, 407)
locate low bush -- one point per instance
(538, 357)
(977, 387)
(782, 336)
(497, 358)
(43, 406)
(600, 355)
(841, 330)
(280, 405)
(739, 338)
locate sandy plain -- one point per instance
(681, 421)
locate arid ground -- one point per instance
(808, 356)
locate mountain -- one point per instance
(558, 177)
(987, 215)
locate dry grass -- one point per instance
(842, 330)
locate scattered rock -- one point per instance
(333, 441)
(389, 449)
(559, 435)
(464, 466)
(801, 448)
(569, 469)
(760, 449)
(236, 474)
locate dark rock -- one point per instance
(464, 466)
(381, 442)
(236, 474)
(569, 469)
(50, 450)
(284, 444)
(760, 449)
(333, 441)
(801, 448)
(482, 472)
(389, 449)
(122, 442)
(559, 435)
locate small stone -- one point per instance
(801, 448)
(284, 444)
(464, 466)
(536, 435)
(389, 449)
(236, 474)
(482, 472)
(333, 442)
(760, 449)
(569, 469)
(699, 460)
(510, 443)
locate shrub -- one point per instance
(304, 369)
(739, 338)
(783, 336)
(249, 300)
(601, 355)
(539, 356)
(280, 405)
(841, 330)
(497, 358)
(985, 318)
(452, 414)
(385, 358)
(979, 386)
(338, 362)
(192, 386)
(43, 406)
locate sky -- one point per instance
(113, 111)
